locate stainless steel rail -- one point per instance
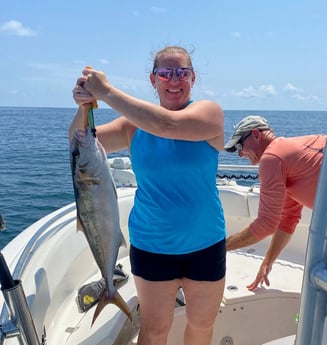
(312, 327)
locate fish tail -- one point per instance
(116, 299)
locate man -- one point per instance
(288, 172)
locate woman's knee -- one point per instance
(201, 323)
(157, 329)
(202, 317)
(154, 332)
(156, 322)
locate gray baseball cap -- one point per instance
(244, 127)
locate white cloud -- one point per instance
(291, 88)
(267, 89)
(247, 92)
(209, 93)
(298, 93)
(259, 92)
(302, 97)
(13, 27)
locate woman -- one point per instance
(177, 227)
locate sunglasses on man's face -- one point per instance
(167, 73)
(239, 145)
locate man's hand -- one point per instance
(262, 276)
(277, 244)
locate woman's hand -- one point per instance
(80, 95)
(95, 82)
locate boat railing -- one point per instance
(312, 327)
(21, 324)
(236, 167)
(240, 174)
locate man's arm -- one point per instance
(242, 239)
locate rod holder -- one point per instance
(20, 313)
(15, 299)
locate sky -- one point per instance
(247, 55)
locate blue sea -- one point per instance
(35, 177)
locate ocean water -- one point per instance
(35, 177)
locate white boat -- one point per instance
(50, 261)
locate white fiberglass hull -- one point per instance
(53, 261)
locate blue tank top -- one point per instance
(177, 209)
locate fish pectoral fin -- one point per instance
(88, 180)
(117, 300)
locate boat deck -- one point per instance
(65, 263)
(285, 278)
(273, 310)
(268, 312)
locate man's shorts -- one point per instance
(208, 264)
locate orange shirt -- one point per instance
(288, 172)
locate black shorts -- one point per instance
(208, 264)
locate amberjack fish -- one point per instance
(97, 210)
